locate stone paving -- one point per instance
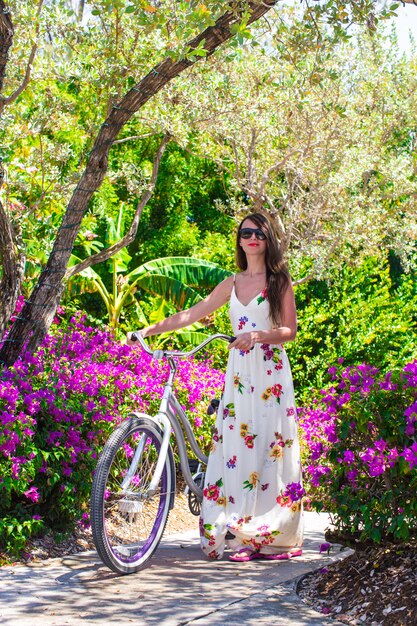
(179, 587)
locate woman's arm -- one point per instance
(286, 332)
(217, 298)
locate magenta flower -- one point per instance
(348, 456)
(32, 494)
(295, 491)
(410, 455)
(352, 476)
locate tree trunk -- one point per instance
(80, 11)
(6, 39)
(37, 315)
(13, 267)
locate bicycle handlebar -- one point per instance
(159, 354)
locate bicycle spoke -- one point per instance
(130, 520)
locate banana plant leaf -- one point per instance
(190, 271)
(181, 296)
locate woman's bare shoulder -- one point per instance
(227, 284)
(220, 294)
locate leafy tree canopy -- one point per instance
(69, 92)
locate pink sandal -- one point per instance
(282, 556)
(249, 556)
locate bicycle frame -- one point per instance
(171, 416)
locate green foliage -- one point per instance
(175, 280)
(312, 138)
(16, 530)
(84, 65)
(182, 210)
(218, 248)
(360, 315)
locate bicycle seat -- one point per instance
(213, 406)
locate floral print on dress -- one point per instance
(214, 555)
(216, 436)
(229, 410)
(265, 536)
(238, 385)
(252, 481)
(272, 353)
(255, 447)
(215, 439)
(274, 391)
(285, 501)
(248, 437)
(242, 322)
(241, 522)
(212, 492)
(277, 446)
(262, 297)
(291, 497)
(206, 531)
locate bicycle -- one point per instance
(134, 483)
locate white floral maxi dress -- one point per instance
(253, 484)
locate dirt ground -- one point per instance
(376, 586)
(50, 546)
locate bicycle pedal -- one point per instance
(130, 506)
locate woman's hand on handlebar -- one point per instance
(244, 341)
(133, 341)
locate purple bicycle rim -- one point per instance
(155, 529)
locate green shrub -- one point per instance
(362, 314)
(360, 450)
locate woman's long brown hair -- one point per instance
(277, 276)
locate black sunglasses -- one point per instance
(246, 233)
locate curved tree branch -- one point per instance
(132, 138)
(103, 255)
(275, 168)
(9, 99)
(301, 281)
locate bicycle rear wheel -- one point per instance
(128, 522)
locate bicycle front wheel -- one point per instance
(127, 520)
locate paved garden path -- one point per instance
(179, 587)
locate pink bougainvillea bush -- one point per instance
(360, 461)
(58, 407)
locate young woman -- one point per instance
(253, 486)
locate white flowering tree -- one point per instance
(326, 145)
